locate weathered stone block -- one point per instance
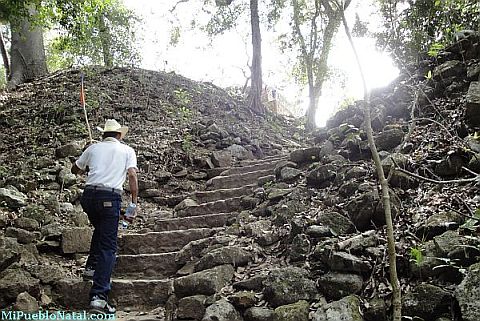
(76, 240)
(206, 282)
(472, 113)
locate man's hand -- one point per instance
(76, 170)
(133, 184)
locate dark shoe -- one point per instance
(88, 274)
(101, 306)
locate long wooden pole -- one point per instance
(82, 100)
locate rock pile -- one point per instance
(297, 236)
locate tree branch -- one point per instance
(453, 181)
(176, 4)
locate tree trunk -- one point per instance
(312, 107)
(106, 40)
(322, 66)
(392, 255)
(6, 63)
(27, 51)
(256, 88)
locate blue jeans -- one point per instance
(103, 210)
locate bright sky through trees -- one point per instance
(223, 60)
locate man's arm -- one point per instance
(76, 170)
(133, 183)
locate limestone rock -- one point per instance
(70, 149)
(206, 282)
(307, 155)
(12, 198)
(259, 314)
(389, 139)
(188, 202)
(15, 281)
(356, 172)
(293, 312)
(346, 309)
(439, 223)
(52, 231)
(335, 221)
(451, 68)
(275, 194)
(191, 307)
(222, 311)
(455, 246)
(26, 303)
(23, 236)
(262, 232)
(222, 158)
(321, 176)
(144, 184)
(66, 178)
(10, 252)
(299, 248)
(337, 285)
(240, 152)
(367, 207)
(468, 294)
(243, 300)
(473, 143)
(254, 283)
(288, 285)
(289, 174)
(198, 247)
(233, 255)
(76, 240)
(79, 218)
(376, 310)
(345, 262)
(47, 274)
(426, 301)
(472, 113)
(450, 166)
(26, 223)
(317, 231)
(70, 292)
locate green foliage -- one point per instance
(93, 32)
(472, 224)
(182, 97)
(416, 255)
(275, 8)
(187, 145)
(435, 49)
(224, 18)
(425, 26)
(175, 35)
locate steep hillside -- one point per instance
(240, 221)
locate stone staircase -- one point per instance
(148, 263)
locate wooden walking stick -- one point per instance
(82, 101)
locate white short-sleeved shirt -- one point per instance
(108, 163)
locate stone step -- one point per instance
(250, 168)
(158, 265)
(161, 242)
(263, 160)
(221, 194)
(237, 180)
(185, 223)
(229, 205)
(134, 293)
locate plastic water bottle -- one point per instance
(129, 215)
